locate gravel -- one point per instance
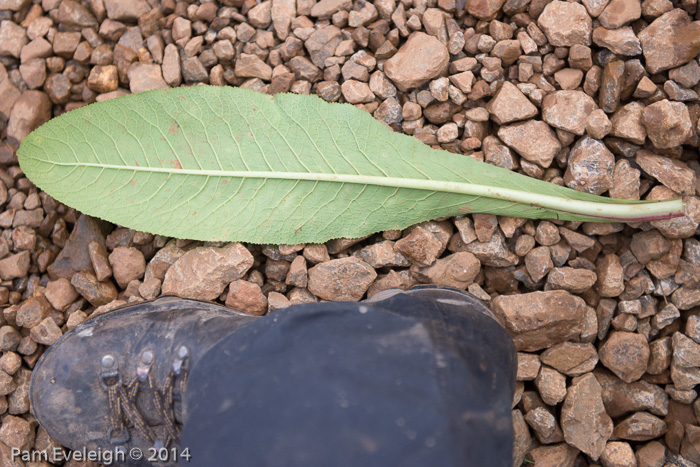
(600, 96)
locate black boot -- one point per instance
(113, 385)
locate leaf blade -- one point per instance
(288, 169)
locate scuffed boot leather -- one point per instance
(115, 383)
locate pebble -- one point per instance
(344, 279)
(551, 385)
(620, 41)
(538, 320)
(620, 12)
(590, 167)
(571, 279)
(60, 293)
(96, 292)
(610, 276)
(571, 359)
(31, 109)
(419, 60)
(204, 272)
(674, 174)
(626, 354)
(584, 421)
(246, 297)
(420, 246)
(533, 139)
(575, 29)
(127, 264)
(667, 123)
(509, 105)
(75, 255)
(627, 123)
(15, 266)
(457, 270)
(568, 110)
(12, 38)
(618, 454)
(145, 77)
(46, 332)
(672, 40)
(641, 426)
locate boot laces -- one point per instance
(123, 408)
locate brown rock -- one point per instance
(621, 41)
(99, 260)
(324, 9)
(610, 276)
(298, 274)
(457, 270)
(145, 77)
(356, 92)
(510, 105)
(46, 332)
(75, 256)
(534, 140)
(32, 311)
(690, 447)
(570, 358)
(626, 181)
(246, 297)
(60, 293)
(617, 454)
(590, 167)
(282, 13)
(75, 16)
(16, 433)
(626, 354)
(522, 438)
(204, 272)
(383, 254)
(551, 385)
(12, 39)
(31, 109)
(627, 123)
(484, 9)
(419, 60)
(566, 24)
(150, 288)
(671, 40)
(250, 66)
(667, 123)
(494, 253)
(620, 12)
(103, 78)
(571, 279)
(322, 43)
(641, 426)
(172, 74)
(621, 398)
(539, 320)
(555, 455)
(611, 86)
(420, 246)
(528, 366)
(130, 10)
(15, 266)
(568, 110)
(96, 292)
(345, 279)
(649, 246)
(8, 96)
(583, 419)
(652, 454)
(128, 264)
(679, 227)
(538, 263)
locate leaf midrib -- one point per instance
(617, 208)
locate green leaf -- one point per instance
(222, 163)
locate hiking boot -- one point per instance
(114, 385)
(396, 299)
